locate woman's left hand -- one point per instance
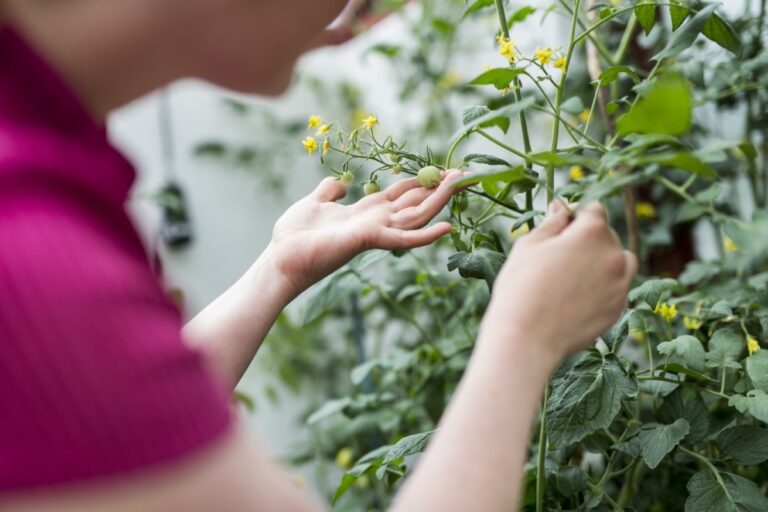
(316, 236)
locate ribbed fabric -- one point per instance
(95, 380)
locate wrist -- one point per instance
(267, 275)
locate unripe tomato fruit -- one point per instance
(397, 169)
(347, 178)
(429, 177)
(371, 187)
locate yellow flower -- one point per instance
(370, 121)
(522, 230)
(507, 48)
(560, 63)
(576, 173)
(544, 55)
(323, 129)
(314, 122)
(752, 345)
(645, 210)
(691, 323)
(584, 115)
(729, 245)
(345, 458)
(326, 146)
(666, 311)
(310, 144)
(637, 334)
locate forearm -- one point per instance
(475, 461)
(232, 328)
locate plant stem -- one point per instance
(452, 150)
(542, 455)
(559, 102)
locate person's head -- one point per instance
(115, 50)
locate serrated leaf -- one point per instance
(687, 349)
(652, 290)
(666, 108)
(645, 12)
(409, 445)
(729, 493)
(755, 402)
(718, 30)
(482, 263)
(684, 37)
(587, 397)
(725, 347)
(498, 77)
(744, 444)
(654, 441)
(686, 402)
(474, 117)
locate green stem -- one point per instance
(542, 455)
(559, 101)
(452, 150)
(710, 466)
(626, 39)
(509, 148)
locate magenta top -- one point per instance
(95, 380)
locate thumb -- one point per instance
(556, 221)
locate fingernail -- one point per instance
(555, 207)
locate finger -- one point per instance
(413, 197)
(615, 237)
(595, 210)
(630, 268)
(330, 189)
(420, 215)
(399, 188)
(557, 220)
(401, 239)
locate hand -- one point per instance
(316, 236)
(564, 283)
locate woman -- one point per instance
(104, 404)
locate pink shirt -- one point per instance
(94, 377)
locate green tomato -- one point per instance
(371, 187)
(429, 177)
(347, 178)
(397, 169)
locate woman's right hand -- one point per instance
(563, 284)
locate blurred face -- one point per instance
(252, 45)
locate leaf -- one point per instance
(409, 445)
(587, 397)
(498, 77)
(610, 75)
(524, 218)
(570, 480)
(652, 290)
(680, 160)
(687, 348)
(757, 369)
(645, 12)
(678, 12)
(655, 441)
(572, 105)
(331, 291)
(666, 109)
(686, 402)
(329, 408)
(728, 493)
(745, 444)
(725, 347)
(482, 263)
(475, 117)
(486, 160)
(684, 37)
(755, 402)
(347, 481)
(520, 15)
(716, 29)
(494, 176)
(476, 6)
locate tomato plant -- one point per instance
(658, 109)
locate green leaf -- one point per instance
(409, 445)
(482, 263)
(498, 77)
(513, 175)
(645, 12)
(725, 347)
(745, 444)
(686, 402)
(755, 402)
(678, 12)
(757, 369)
(686, 348)
(610, 75)
(729, 493)
(347, 481)
(684, 37)
(572, 105)
(476, 6)
(474, 117)
(587, 397)
(329, 408)
(570, 480)
(330, 293)
(486, 160)
(666, 109)
(520, 15)
(652, 290)
(524, 218)
(718, 30)
(680, 160)
(654, 441)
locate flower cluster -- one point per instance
(507, 48)
(323, 129)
